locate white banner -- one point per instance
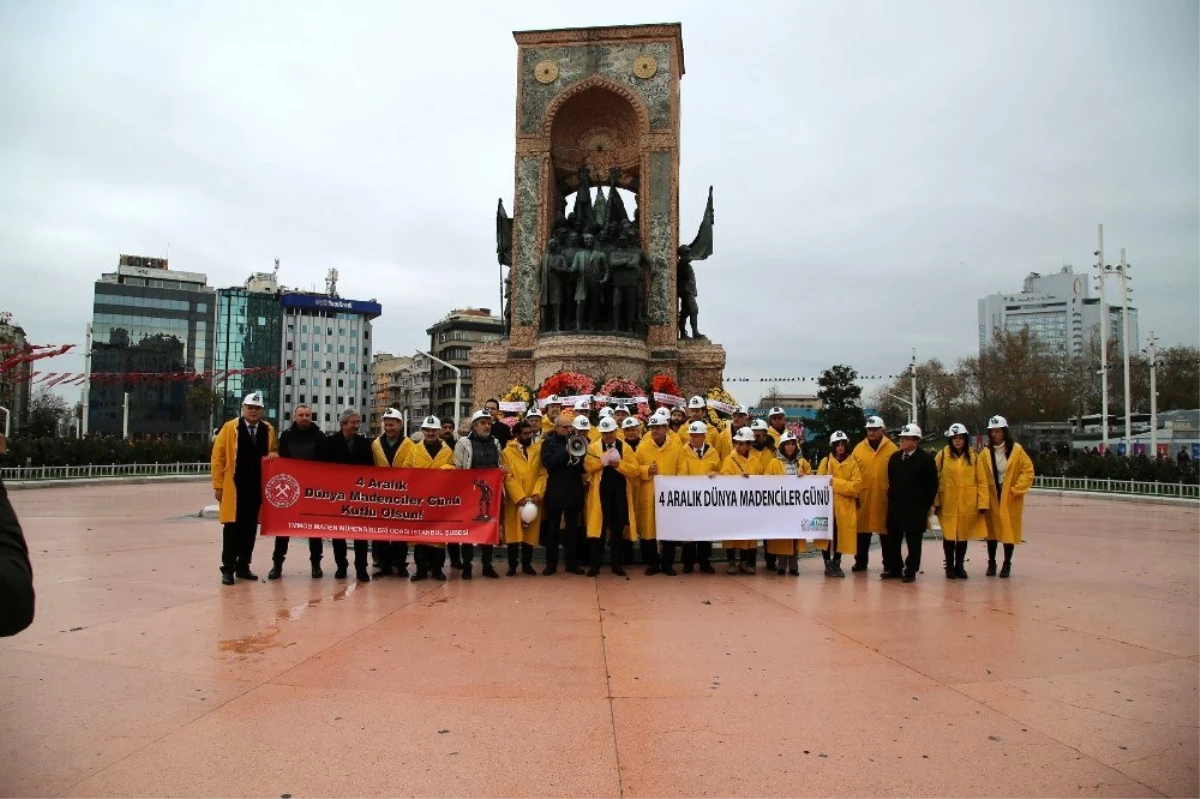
(743, 508)
(513, 407)
(721, 406)
(567, 402)
(668, 399)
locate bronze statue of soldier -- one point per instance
(551, 274)
(591, 275)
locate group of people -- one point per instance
(581, 484)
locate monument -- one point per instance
(599, 284)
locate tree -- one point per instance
(204, 402)
(1179, 379)
(841, 407)
(770, 398)
(46, 410)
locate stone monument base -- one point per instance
(696, 364)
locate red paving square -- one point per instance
(142, 676)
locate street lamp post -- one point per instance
(1152, 353)
(1123, 271)
(1101, 273)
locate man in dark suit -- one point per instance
(912, 488)
(347, 446)
(563, 502)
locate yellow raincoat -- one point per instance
(525, 476)
(667, 458)
(962, 493)
(692, 465)
(847, 484)
(736, 465)
(418, 458)
(593, 512)
(1007, 509)
(788, 546)
(872, 465)
(224, 458)
(712, 437)
(398, 459)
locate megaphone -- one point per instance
(577, 446)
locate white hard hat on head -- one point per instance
(554, 399)
(874, 421)
(431, 423)
(533, 412)
(910, 431)
(741, 410)
(622, 409)
(254, 399)
(956, 429)
(631, 423)
(696, 402)
(480, 414)
(777, 411)
(697, 429)
(607, 424)
(786, 437)
(837, 436)
(759, 424)
(581, 423)
(744, 436)
(393, 413)
(656, 421)
(606, 412)
(997, 423)
(582, 405)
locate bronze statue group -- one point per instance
(579, 482)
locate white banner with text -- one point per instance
(743, 508)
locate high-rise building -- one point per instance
(1058, 310)
(248, 327)
(152, 338)
(326, 355)
(419, 386)
(14, 384)
(387, 372)
(452, 340)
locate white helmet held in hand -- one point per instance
(997, 423)
(529, 511)
(837, 436)
(956, 429)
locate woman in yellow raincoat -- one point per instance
(1009, 473)
(962, 499)
(793, 464)
(846, 484)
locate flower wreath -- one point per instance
(619, 388)
(567, 384)
(720, 395)
(664, 384)
(517, 393)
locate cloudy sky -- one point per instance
(884, 164)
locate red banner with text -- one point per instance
(424, 506)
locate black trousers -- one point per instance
(893, 561)
(281, 548)
(553, 533)
(694, 552)
(614, 508)
(428, 558)
(389, 554)
(360, 554)
(862, 552)
(237, 537)
(485, 556)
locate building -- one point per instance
(14, 384)
(248, 328)
(418, 382)
(452, 340)
(152, 338)
(808, 402)
(386, 379)
(326, 355)
(1058, 310)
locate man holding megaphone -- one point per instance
(563, 501)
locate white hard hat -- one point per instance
(874, 421)
(480, 414)
(956, 429)
(744, 436)
(786, 437)
(607, 424)
(393, 413)
(741, 410)
(696, 402)
(837, 436)
(529, 512)
(581, 423)
(910, 431)
(630, 423)
(661, 412)
(606, 413)
(533, 412)
(777, 411)
(254, 399)
(622, 409)
(656, 421)
(697, 428)
(997, 423)
(431, 423)
(582, 405)
(758, 424)
(554, 399)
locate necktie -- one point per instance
(253, 429)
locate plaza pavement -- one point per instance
(142, 676)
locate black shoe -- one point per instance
(1006, 569)
(317, 574)
(381, 573)
(466, 571)
(439, 575)
(340, 574)
(512, 570)
(951, 574)
(652, 570)
(707, 568)
(549, 570)
(771, 561)
(420, 575)
(688, 568)
(490, 571)
(593, 572)
(667, 570)
(837, 572)
(960, 573)
(227, 579)
(991, 570)
(456, 564)
(782, 572)
(362, 576)
(858, 567)
(909, 578)
(527, 568)
(794, 571)
(890, 576)
(402, 571)
(275, 573)
(617, 570)
(578, 570)
(829, 570)
(245, 574)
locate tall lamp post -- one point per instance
(1123, 272)
(1102, 270)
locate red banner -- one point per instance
(425, 506)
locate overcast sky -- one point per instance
(886, 163)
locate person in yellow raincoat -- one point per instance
(524, 483)
(534, 417)
(790, 462)
(741, 418)
(237, 455)
(776, 424)
(697, 410)
(742, 461)
(612, 469)
(846, 484)
(657, 454)
(391, 450)
(554, 407)
(764, 448)
(873, 455)
(1009, 474)
(962, 499)
(431, 453)
(696, 459)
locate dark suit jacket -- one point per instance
(912, 488)
(16, 575)
(335, 448)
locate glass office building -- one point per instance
(247, 337)
(152, 338)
